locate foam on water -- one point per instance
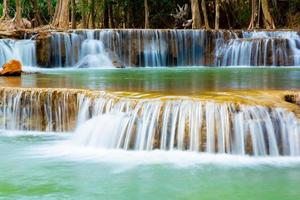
(15, 133)
(61, 147)
(68, 151)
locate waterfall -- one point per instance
(22, 50)
(154, 48)
(201, 126)
(101, 120)
(157, 48)
(93, 54)
(37, 110)
(261, 49)
(78, 50)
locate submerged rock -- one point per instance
(11, 68)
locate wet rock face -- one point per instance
(43, 44)
(293, 98)
(12, 68)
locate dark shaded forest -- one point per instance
(208, 14)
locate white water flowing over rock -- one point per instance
(160, 48)
(261, 49)
(81, 52)
(106, 122)
(22, 50)
(188, 125)
(103, 131)
(93, 54)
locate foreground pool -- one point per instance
(37, 166)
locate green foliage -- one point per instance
(294, 6)
(130, 13)
(1, 9)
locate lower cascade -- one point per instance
(105, 121)
(190, 125)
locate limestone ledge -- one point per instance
(57, 110)
(288, 99)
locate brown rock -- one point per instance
(12, 68)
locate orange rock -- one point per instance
(12, 68)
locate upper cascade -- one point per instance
(158, 48)
(22, 50)
(105, 121)
(79, 51)
(155, 48)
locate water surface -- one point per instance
(31, 168)
(179, 81)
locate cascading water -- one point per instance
(200, 126)
(157, 48)
(109, 122)
(261, 49)
(136, 47)
(93, 54)
(179, 47)
(79, 51)
(37, 110)
(23, 50)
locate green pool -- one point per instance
(177, 81)
(49, 166)
(37, 166)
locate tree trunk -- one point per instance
(258, 15)
(203, 5)
(5, 14)
(269, 22)
(93, 17)
(18, 17)
(146, 14)
(49, 7)
(254, 23)
(196, 15)
(84, 14)
(111, 16)
(217, 17)
(61, 16)
(267, 17)
(73, 17)
(106, 15)
(37, 16)
(129, 16)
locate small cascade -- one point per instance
(93, 54)
(37, 110)
(65, 49)
(105, 121)
(261, 49)
(23, 50)
(79, 51)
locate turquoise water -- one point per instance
(183, 81)
(40, 166)
(45, 167)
